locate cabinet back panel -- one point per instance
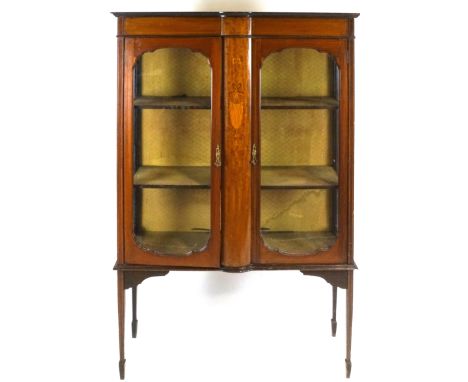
(296, 210)
(296, 72)
(296, 137)
(175, 72)
(175, 137)
(174, 210)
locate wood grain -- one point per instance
(120, 152)
(349, 321)
(167, 26)
(236, 26)
(316, 27)
(121, 315)
(350, 168)
(236, 184)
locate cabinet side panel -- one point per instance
(351, 145)
(237, 171)
(120, 118)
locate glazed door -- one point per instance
(300, 151)
(172, 143)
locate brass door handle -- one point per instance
(254, 154)
(217, 162)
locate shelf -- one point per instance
(205, 102)
(173, 102)
(172, 177)
(299, 103)
(298, 177)
(282, 177)
(174, 242)
(298, 242)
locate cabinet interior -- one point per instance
(298, 135)
(172, 112)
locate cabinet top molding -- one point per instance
(237, 14)
(236, 24)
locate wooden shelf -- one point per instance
(299, 103)
(180, 243)
(299, 243)
(173, 102)
(205, 102)
(172, 177)
(294, 177)
(298, 177)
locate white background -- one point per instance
(58, 313)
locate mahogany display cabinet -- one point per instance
(235, 148)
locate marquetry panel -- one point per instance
(237, 146)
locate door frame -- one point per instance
(211, 48)
(339, 49)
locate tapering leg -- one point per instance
(121, 308)
(333, 320)
(134, 312)
(349, 322)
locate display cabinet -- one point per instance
(235, 148)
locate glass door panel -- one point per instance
(172, 153)
(286, 220)
(298, 140)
